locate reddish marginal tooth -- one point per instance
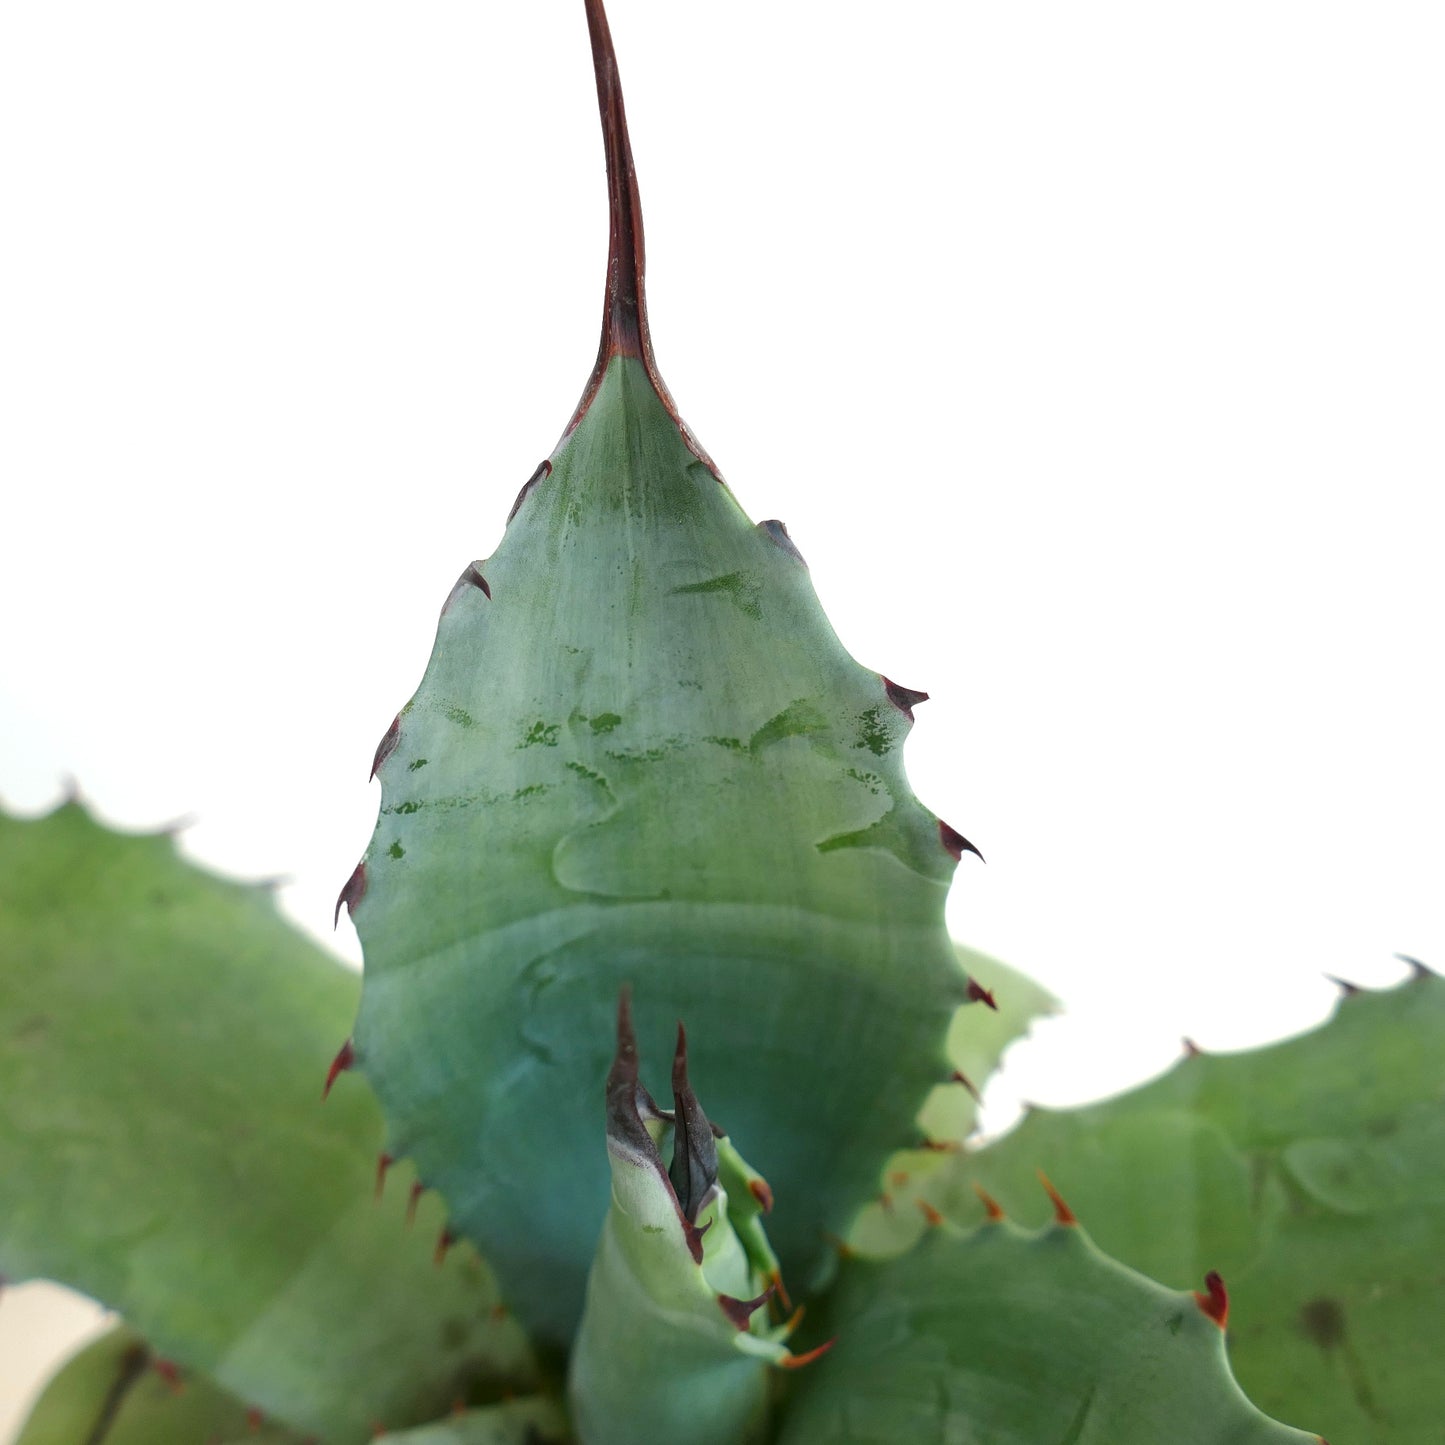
(445, 1240)
(386, 747)
(499, 1312)
(351, 894)
(777, 1284)
(758, 1188)
(345, 1058)
(977, 993)
(905, 699)
(840, 1247)
(955, 843)
(941, 1146)
(383, 1163)
(417, 1190)
(797, 1362)
(740, 1311)
(1192, 1050)
(170, 1372)
(929, 1212)
(959, 1077)
(899, 1178)
(1214, 1299)
(991, 1205)
(885, 1200)
(1062, 1213)
(459, 1406)
(254, 1420)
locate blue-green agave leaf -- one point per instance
(640, 755)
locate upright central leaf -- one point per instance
(640, 756)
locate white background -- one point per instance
(1092, 353)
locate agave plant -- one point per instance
(645, 834)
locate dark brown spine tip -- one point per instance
(1062, 1213)
(345, 1058)
(473, 578)
(1348, 989)
(624, 318)
(386, 747)
(413, 1199)
(991, 1206)
(1417, 968)
(383, 1163)
(977, 993)
(959, 1077)
(445, 1240)
(779, 533)
(255, 1419)
(929, 1213)
(758, 1188)
(351, 894)
(905, 699)
(955, 843)
(544, 469)
(740, 1311)
(1213, 1300)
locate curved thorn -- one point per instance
(959, 1077)
(776, 1280)
(417, 1190)
(760, 1191)
(351, 893)
(977, 993)
(991, 1205)
(1213, 1300)
(741, 1311)
(345, 1058)
(1419, 969)
(445, 1240)
(170, 1372)
(1062, 1213)
(927, 1210)
(1192, 1050)
(1348, 989)
(386, 747)
(797, 1362)
(905, 699)
(955, 843)
(384, 1162)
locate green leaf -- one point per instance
(514, 1422)
(163, 1148)
(674, 1342)
(1310, 1174)
(110, 1393)
(1000, 1337)
(640, 755)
